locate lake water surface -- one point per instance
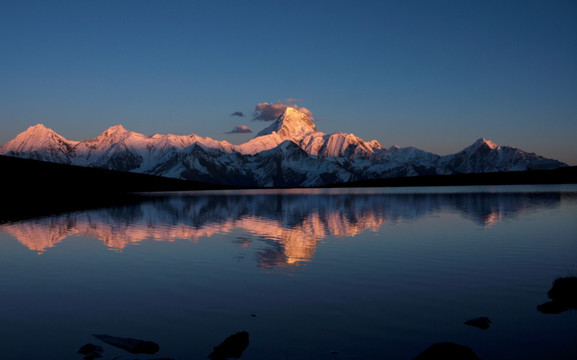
(310, 274)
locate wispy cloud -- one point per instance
(240, 129)
(271, 111)
(237, 113)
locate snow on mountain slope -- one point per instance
(486, 156)
(118, 148)
(289, 152)
(297, 127)
(291, 125)
(338, 145)
(40, 143)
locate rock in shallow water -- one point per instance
(447, 351)
(90, 351)
(564, 291)
(552, 307)
(231, 347)
(481, 322)
(133, 346)
(563, 296)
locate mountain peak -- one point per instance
(116, 128)
(37, 126)
(115, 132)
(38, 129)
(39, 139)
(483, 141)
(36, 134)
(292, 124)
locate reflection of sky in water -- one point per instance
(376, 274)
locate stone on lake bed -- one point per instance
(563, 296)
(133, 346)
(90, 351)
(232, 347)
(481, 322)
(447, 350)
(551, 307)
(564, 291)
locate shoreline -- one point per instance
(34, 188)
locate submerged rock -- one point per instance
(447, 351)
(133, 346)
(90, 351)
(551, 307)
(564, 291)
(232, 347)
(481, 322)
(563, 296)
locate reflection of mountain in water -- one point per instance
(290, 223)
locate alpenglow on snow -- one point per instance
(291, 152)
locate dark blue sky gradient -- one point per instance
(433, 74)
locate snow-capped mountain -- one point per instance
(40, 143)
(486, 156)
(290, 152)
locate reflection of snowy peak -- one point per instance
(290, 152)
(291, 223)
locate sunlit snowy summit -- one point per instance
(291, 152)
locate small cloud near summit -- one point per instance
(271, 111)
(240, 129)
(237, 113)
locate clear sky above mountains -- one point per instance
(432, 74)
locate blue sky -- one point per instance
(432, 74)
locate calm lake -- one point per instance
(376, 273)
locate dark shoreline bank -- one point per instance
(32, 188)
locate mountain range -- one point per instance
(290, 152)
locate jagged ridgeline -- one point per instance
(290, 152)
